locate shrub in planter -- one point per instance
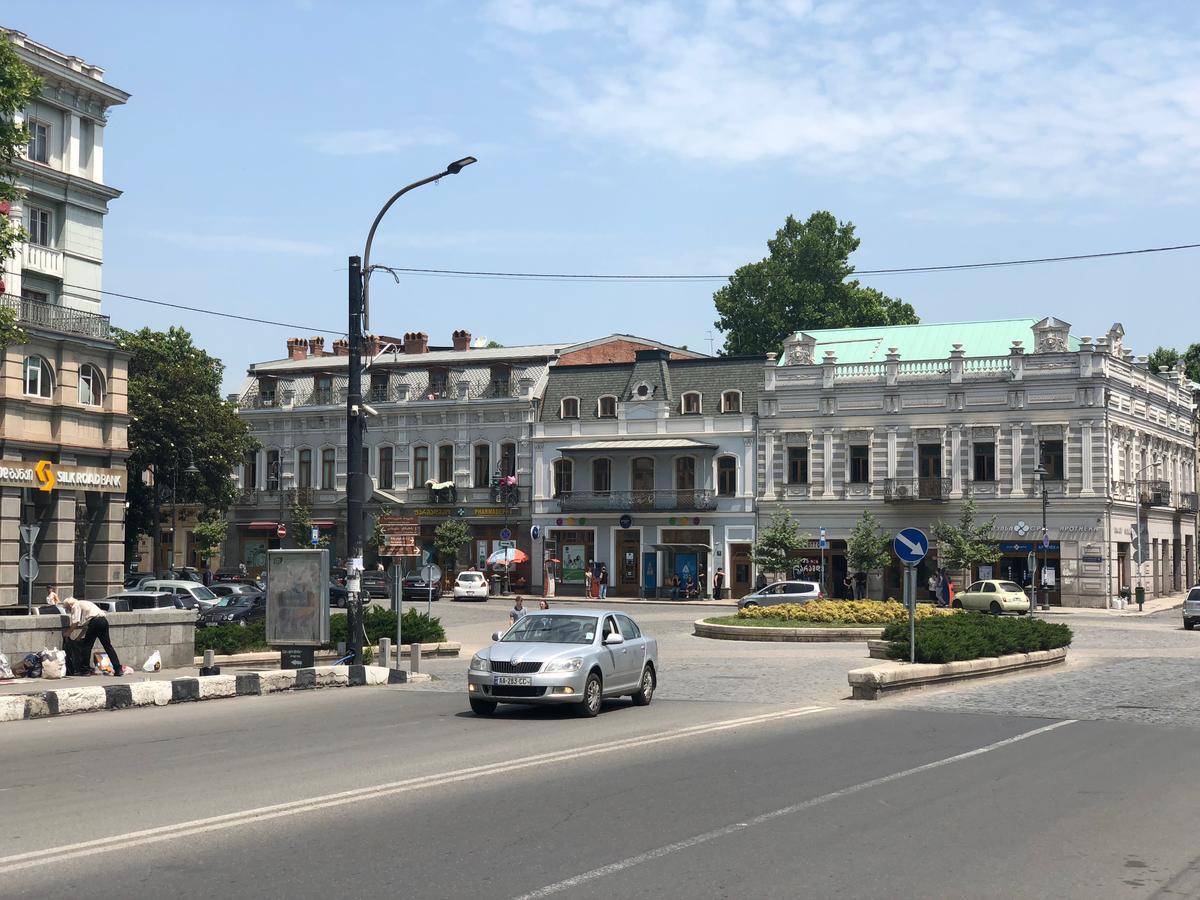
(945, 639)
(229, 639)
(850, 612)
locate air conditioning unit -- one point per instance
(902, 490)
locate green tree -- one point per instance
(777, 543)
(868, 549)
(177, 418)
(300, 527)
(967, 545)
(18, 85)
(209, 535)
(1163, 356)
(1166, 356)
(448, 538)
(802, 284)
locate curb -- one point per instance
(445, 648)
(793, 635)
(64, 701)
(889, 678)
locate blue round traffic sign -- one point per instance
(505, 534)
(910, 545)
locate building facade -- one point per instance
(1018, 415)
(647, 467)
(63, 415)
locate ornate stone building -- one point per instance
(909, 421)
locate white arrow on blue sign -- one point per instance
(911, 545)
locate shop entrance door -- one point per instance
(629, 546)
(739, 579)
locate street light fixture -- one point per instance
(1041, 472)
(356, 479)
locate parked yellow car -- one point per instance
(995, 597)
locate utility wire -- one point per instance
(208, 312)
(959, 267)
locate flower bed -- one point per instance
(945, 639)
(840, 612)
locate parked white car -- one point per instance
(205, 599)
(470, 586)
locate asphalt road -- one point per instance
(400, 791)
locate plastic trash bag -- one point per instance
(5, 669)
(101, 664)
(153, 663)
(29, 667)
(54, 663)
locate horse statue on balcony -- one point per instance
(442, 491)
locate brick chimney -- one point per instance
(341, 347)
(297, 348)
(416, 342)
(372, 345)
(316, 346)
(462, 341)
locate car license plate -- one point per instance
(513, 679)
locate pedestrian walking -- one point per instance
(587, 581)
(760, 582)
(207, 577)
(518, 611)
(87, 623)
(848, 587)
(603, 581)
(935, 589)
(675, 586)
(718, 583)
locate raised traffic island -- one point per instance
(812, 622)
(725, 632)
(893, 677)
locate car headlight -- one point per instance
(480, 664)
(565, 665)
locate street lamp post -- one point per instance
(1041, 472)
(356, 478)
(1137, 523)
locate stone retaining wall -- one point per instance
(135, 635)
(893, 677)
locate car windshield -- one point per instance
(537, 629)
(1011, 587)
(231, 600)
(200, 592)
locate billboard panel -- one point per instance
(297, 598)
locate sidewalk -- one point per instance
(595, 601)
(1151, 606)
(38, 685)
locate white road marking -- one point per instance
(725, 831)
(56, 855)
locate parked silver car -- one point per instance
(782, 592)
(205, 599)
(1191, 608)
(578, 656)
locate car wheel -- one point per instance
(957, 604)
(646, 693)
(994, 608)
(749, 604)
(1189, 624)
(483, 707)
(593, 697)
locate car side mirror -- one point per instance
(495, 635)
(614, 638)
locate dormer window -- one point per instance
(606, 408)
(570, 408)
(266, 391)
(439, 380)
(690, 404)
(731, 402)
(501, 382)
(379, 387)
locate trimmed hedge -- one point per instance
(848, 612)
(418, 628)
(971, 636)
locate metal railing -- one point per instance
(571, 501)
(1186, 501)
(900, 490)
(1123, 490)
(1154, 492)
(54, 317)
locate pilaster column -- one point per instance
(769, 464)
(956, 483)
(827, 462)
(891, 452)
(1086, 442)
(1018, 482)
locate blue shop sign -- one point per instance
(1027, 546)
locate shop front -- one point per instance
(489, 530)
(1029, 564)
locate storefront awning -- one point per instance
(382, 496)
(651, 444)
(257, 525)
(323, 523)
(683, 548)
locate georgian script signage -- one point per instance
(47, 476)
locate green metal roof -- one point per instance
(925, 341)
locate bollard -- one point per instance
(385, 652)
(414, 658)
(210, 666)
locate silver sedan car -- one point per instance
(578, 656)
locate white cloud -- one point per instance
(1002, 101)
(376, 140)
(239, 243)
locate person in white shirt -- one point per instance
(87, 623)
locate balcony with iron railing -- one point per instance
(690, 500)
(902, 490)
(1154, 492)
(1187, 502)
(55, 317)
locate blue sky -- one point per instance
(261, 138)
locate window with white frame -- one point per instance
(39, 141)
(727, 476)
(569, 408)
(685, 473)
(564, 477)
(35, 295)
(37, 223)
(731, 402)
(39, 378)
(601, 475)
(606, 407)
(273, 471)
(386, 466)
(482, 465)
(690, 404)
(304, 468)
(91, 385)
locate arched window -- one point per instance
(606, 407)
(508, 459)
(689, 404)
(601, 475)
(685, 473)
(641, 479)
(91, 385)
(731, 402)
(304, 469)
(420, 466)
(39, 377)
(386, 466)
(570, 408)
(482, 465)
(564, 477)
(726, 476)
(328, 469)
(445, 463)
(274, 472)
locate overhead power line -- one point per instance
(905, 270)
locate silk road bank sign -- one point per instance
(45, 475)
